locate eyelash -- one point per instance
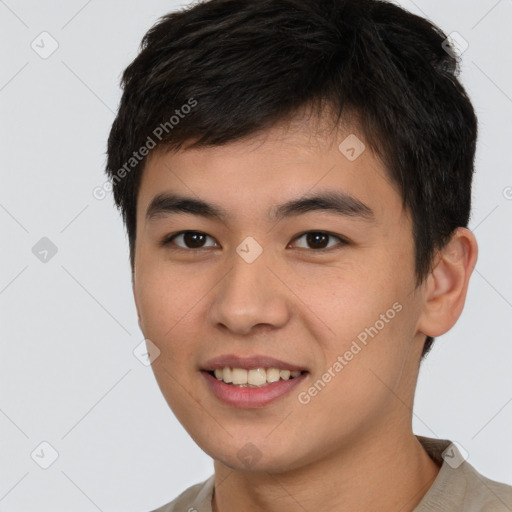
(168, 240)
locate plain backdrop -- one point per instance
(68, 325)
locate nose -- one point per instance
(250, 298)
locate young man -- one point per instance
(295, 179)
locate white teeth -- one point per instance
(256, 377)
(284, 374)
(239, 376)
(272, 375)
(227, 375)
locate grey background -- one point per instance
(68, 326)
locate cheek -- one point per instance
(371, 333)
(371, 317)
(170, 307)
(357, 384)
(165, 295)
(351, 299)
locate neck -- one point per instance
(379, 474)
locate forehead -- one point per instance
(249, 177)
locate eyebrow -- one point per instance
(337, 202)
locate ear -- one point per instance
(447, 284)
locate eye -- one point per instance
(191, 239)
(318, 239)
(196, 239)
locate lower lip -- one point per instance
(251, 397)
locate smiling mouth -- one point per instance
(253, 378)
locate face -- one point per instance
(326, 288)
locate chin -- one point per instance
(256, 456)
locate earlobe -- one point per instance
(447, 284)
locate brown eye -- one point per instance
(319, 240)
(189, 239)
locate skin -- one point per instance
(352, 446)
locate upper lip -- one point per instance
(249, 362)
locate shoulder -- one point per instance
(484, 494)
(459, 487)
(196, 498)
